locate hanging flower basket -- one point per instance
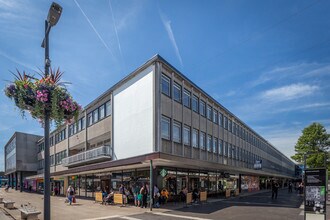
(35, 95)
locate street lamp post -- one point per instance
(52, 18)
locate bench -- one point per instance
(8, 204)
(29, 214)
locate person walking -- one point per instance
(275, 187)
(290, 187)
(144, 193)
(70, 194)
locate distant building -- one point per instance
(21, 158)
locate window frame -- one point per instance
(195, 99)
(166, 119)
(177, 87)
(165, 78)
(186, 128)
(177, 125)
(187, 95)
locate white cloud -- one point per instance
(167, 25)
(293, 91)
(297, 70)
(305, 107)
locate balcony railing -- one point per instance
(95, 154)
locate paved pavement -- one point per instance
(252, 206)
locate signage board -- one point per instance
(118, 198)
(98, 197)
(163, 172)
(189, 198)
(315, 196)
(257, 165)
(202, 196)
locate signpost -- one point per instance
(315, 193)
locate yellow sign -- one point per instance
(227, 193)
(189, 198)
(118, 198)
(203, 196)
(98, 197)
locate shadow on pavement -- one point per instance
(284, 200)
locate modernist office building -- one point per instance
(20, 158)
(157, 114)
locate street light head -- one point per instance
(54, 14)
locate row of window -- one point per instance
(195, 138)
(96, 115)
(57, 158)
(99, 113)
(77, 127)
(192, 101)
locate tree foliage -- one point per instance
(314, 141)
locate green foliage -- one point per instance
(314, 141)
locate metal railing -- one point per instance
(90, 155)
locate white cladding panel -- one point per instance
(133, 115)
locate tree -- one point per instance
(316, 140)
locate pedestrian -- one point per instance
(301, 188)
(275, 187)
(70, 194)
(156, 196)
(136, 192)
(290, 187)
(144, 193)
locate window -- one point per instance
(202, 106)
(95, 115)
(165, 85)
(220, 119)
(209, 112)
(195, 103)
(51, 141)
(209, 143)
(195, 138)
(71, 130)
(186, 135)
(82, 121)
(186, 98)
(215, 116)
(215, 144)
(177, 132)
(229, 125)
(226, 149)
(233, 152)
(89, 119)
(166, 128)
(226, 122)
(220, 147)
(202, 140)
(229, 150)
(102, 111)
(108, 108)
(177, 92)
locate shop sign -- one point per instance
(315, 196)
(163, 172)
(257, 165)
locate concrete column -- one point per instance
(9, 180)
(21, 181)
(12, 181)
(16, 180)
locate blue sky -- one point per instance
(268, 62)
